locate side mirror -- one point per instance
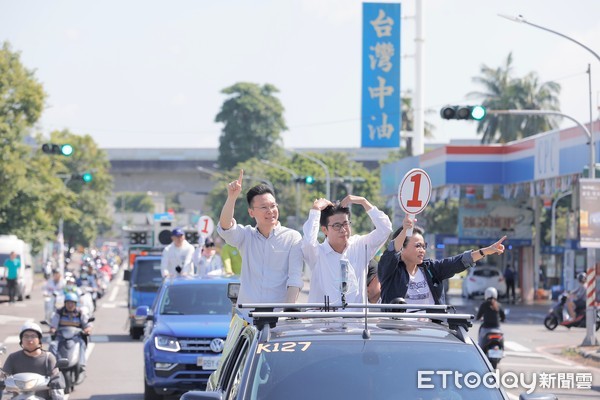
(233, 289)
(92, 319)
(127, 275)
(143, 314)
(44, 322)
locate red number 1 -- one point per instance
(415, 202)
(204, 230)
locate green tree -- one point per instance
(134, 202)
(253, 119)
(408, 121)
(502, 91)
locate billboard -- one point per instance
(381, 111)
(589, 213)
(481, 219)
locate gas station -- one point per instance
(502, 189)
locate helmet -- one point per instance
(581, 277)
(72, 297)
(491, 292)
(31, 326)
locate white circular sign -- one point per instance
(415, 191)
(206, 226)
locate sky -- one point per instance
(149, 73)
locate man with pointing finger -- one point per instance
(271, 254)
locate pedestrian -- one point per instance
(271, 253)
(338, 265)
(12, 264)
(206, 259)
(232, 260)
(177, 257)
(404, 271)
(509, 277)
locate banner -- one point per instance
(589, 213)
(381, 112)
(493, 219)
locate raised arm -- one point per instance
(407, 224)
(495, 248)
(233, 191)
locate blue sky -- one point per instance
(148, 73)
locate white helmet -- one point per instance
(491, 292)
(581, 277)
(30, 326)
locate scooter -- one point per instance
(492, 345)
(68, 348)
(558, 315)
(52, 302)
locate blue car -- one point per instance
(144, 280)
(186, 331)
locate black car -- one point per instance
(345, 354)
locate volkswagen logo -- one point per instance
(217, 345)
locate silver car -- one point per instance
(482, 277)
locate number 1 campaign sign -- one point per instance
(414, 193)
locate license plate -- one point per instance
(208, 362)
(493, 353)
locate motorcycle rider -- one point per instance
(576, 298)
(55, 284)
(36, 360)
(492, 313)
(71, 315)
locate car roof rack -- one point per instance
(265, 313)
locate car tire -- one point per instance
(150, 393)
(551, 322)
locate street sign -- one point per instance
(206, 226)
(414, 193)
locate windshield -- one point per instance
(196, 299)
(365, 370)
(147, 273)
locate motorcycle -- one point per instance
(492, 345)
(67, 351)
(558, 315)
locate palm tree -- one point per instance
(503, 92)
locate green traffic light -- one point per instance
(309, 180)
(66, 150)
(87, 177)
(478, 113)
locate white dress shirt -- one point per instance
(173, 256)
(324, 262)
(269, 265)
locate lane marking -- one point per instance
(514, 346)
(88, 351)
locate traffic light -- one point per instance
(476, 113)
(308, 179)
(51, 148)
(192, 237)
(86, 177)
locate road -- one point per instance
(115, 362)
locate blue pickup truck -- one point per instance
(144, 280)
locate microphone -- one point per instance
(178, 269)
(344, 275)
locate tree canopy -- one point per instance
(253, 119)
(503, 91)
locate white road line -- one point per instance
(114, 293)
(109, 305)
(100, 339)
(11, 339)
(514, 346)
(88, 351)
(7, 319)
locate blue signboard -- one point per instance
(163, 217)
(381, 112)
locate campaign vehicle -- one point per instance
(316, 352)
(144, 280)
(186, 331)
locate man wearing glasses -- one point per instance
(405, 272)
(339, 264)
(271, 254)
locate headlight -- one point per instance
(166, 343)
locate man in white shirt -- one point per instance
(271, 255)
(329, 277)
(177, 257)
(206, 259)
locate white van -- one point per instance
(8, 244)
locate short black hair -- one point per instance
(416, 229)
(328, 211)
(257, 191)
